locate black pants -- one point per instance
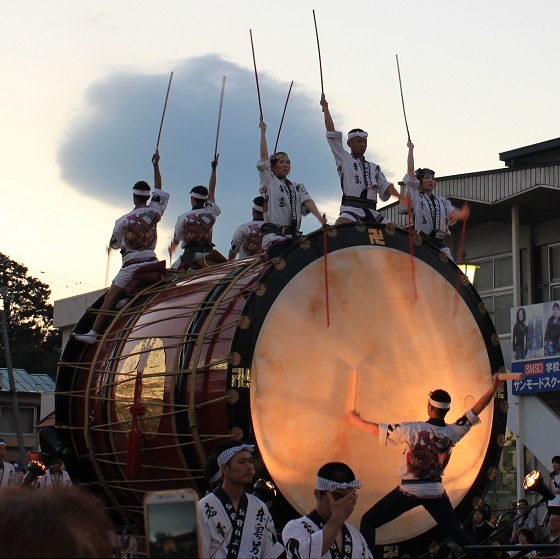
(396, 503)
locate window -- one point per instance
(494, 282)
(547, 272)
(27, 419)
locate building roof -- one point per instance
(534, 154)
(26, 382)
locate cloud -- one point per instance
(108, 147)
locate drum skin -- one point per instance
(248, 350)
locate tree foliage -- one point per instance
(34, 342)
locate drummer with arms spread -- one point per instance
(428, 447)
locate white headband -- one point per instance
(226, 455)
(441, 405)
(324, 484)
(258, 208)
(198, 196)
(357, 134)
(139, 192)
(216, 477)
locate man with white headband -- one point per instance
(233, 523)
(428, 447)
(135, 235)
(194, 228)
(7, 471)
(361, 180)
(324, 531)
(247, 239)
(285, 202)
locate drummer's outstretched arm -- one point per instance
(368, 426)
(312, 207)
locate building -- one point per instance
(513, 237)
(35, 399)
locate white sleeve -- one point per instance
(299, 543)
(204, 533)
(334, 140)
(392, 433)
(265, 173)
(179, 233)
(118, 234)
(159, 201)
(272, 548)
(237, 239)
(382, 185)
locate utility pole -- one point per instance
(15, 406)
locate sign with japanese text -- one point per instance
(535, 347)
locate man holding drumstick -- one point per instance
(428, 449)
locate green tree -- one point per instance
(34, 342)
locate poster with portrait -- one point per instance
(535, 347)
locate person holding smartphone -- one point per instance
(234, 523)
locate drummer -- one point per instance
(361, 180)
(428, 449)
(432, 216)
(247, 239)
(285, 202)
(194, 228)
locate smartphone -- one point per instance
(171, 523)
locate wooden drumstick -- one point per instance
(510, 376)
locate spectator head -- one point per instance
(55, 524)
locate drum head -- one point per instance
(381, 355)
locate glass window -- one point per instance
(26, 415)
(524, 268)
(483, 279)
(555, 263)
(503, 272)
(542, 295)
(555, 292)
(541, 264)
(499, 308)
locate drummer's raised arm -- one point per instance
(263, 146)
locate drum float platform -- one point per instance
(243, 350)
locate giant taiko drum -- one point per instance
(253, 350)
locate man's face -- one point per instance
(357, 146)
(555, 311)
(554, 523)
(556, 466)
(2, 451)
(240, 469)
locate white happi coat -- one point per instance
(247, 239)
(135, 234)
(303, 539)
(277, 208)
(258, 538)
(431, 214)
(62, 480)
(9, 475)
(428, 449)
(352, 174)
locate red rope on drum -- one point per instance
(461, 251)
(134, 440)
(326, 272)
(411, 250)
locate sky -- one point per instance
(84, 85)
